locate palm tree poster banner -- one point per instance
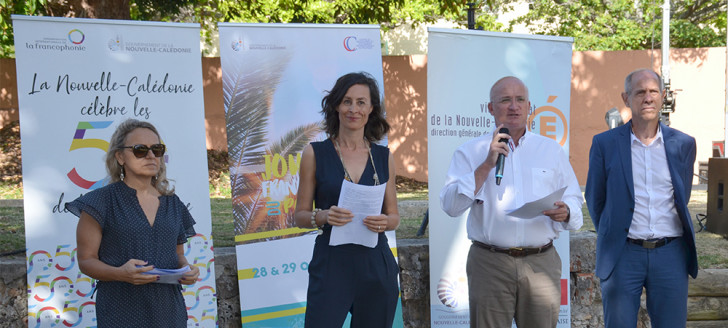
(78, 79)
(274, 77)
(462, 65)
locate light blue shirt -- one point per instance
(655, 215)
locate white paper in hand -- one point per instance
(535, 208)
(362, 201)
(168, 276)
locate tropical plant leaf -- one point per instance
(296, 139)
(249, 82)
(260, 218)
(245, 202)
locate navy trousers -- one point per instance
(663, 274)
(352, 279)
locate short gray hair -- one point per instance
(500, 81)
(628, 80)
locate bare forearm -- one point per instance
(182, 261)
(303, 219)
(392, 221)
(98, 270)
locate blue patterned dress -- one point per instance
(126, 234)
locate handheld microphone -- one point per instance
(500, 163)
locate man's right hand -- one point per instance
(496, 148)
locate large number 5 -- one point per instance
(71, 255)
(79, 142)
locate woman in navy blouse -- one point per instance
(132, 225)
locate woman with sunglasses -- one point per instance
(132, 225)
(349, 278)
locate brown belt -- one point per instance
(515, 251)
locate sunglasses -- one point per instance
(141, 151)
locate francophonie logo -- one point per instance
(76, 36)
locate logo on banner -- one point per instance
(352, 43)
(86, 307)
(237, 45)
(204, 296)
(72, 41)
(80, 142)
(551, 122)
(46, 314)
(349, 43)
(42, 297)
(116, 43)
(264, 46)
(76, 36)
(453, 291)
(43, 260)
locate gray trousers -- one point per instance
(503, 288)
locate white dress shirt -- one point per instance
(534, 169)
(655, 215)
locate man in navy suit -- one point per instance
(637, 190)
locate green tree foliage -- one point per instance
(594, 24)
(140, 9)
(387, 13)
(629, 24)
(15, 7)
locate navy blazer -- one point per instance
(610, 191)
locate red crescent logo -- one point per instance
(346, 43)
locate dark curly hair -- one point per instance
(376, 127)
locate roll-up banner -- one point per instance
(77, 80)
(462, 65)
(274, 77)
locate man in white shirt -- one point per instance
(638, 188)
(513, 269)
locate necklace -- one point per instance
(346, 173)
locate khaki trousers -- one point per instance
(503, 288)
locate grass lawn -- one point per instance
(712, 248)
(10, 190)
(12, 229)
(223, 225)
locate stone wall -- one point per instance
(707, 302)
(13, 292)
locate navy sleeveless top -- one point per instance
(330, 175)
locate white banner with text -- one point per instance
(462, 66)
(77, 80)
(274, 77)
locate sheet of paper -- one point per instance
(169, 276)
(535, 208)
(362, 201)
